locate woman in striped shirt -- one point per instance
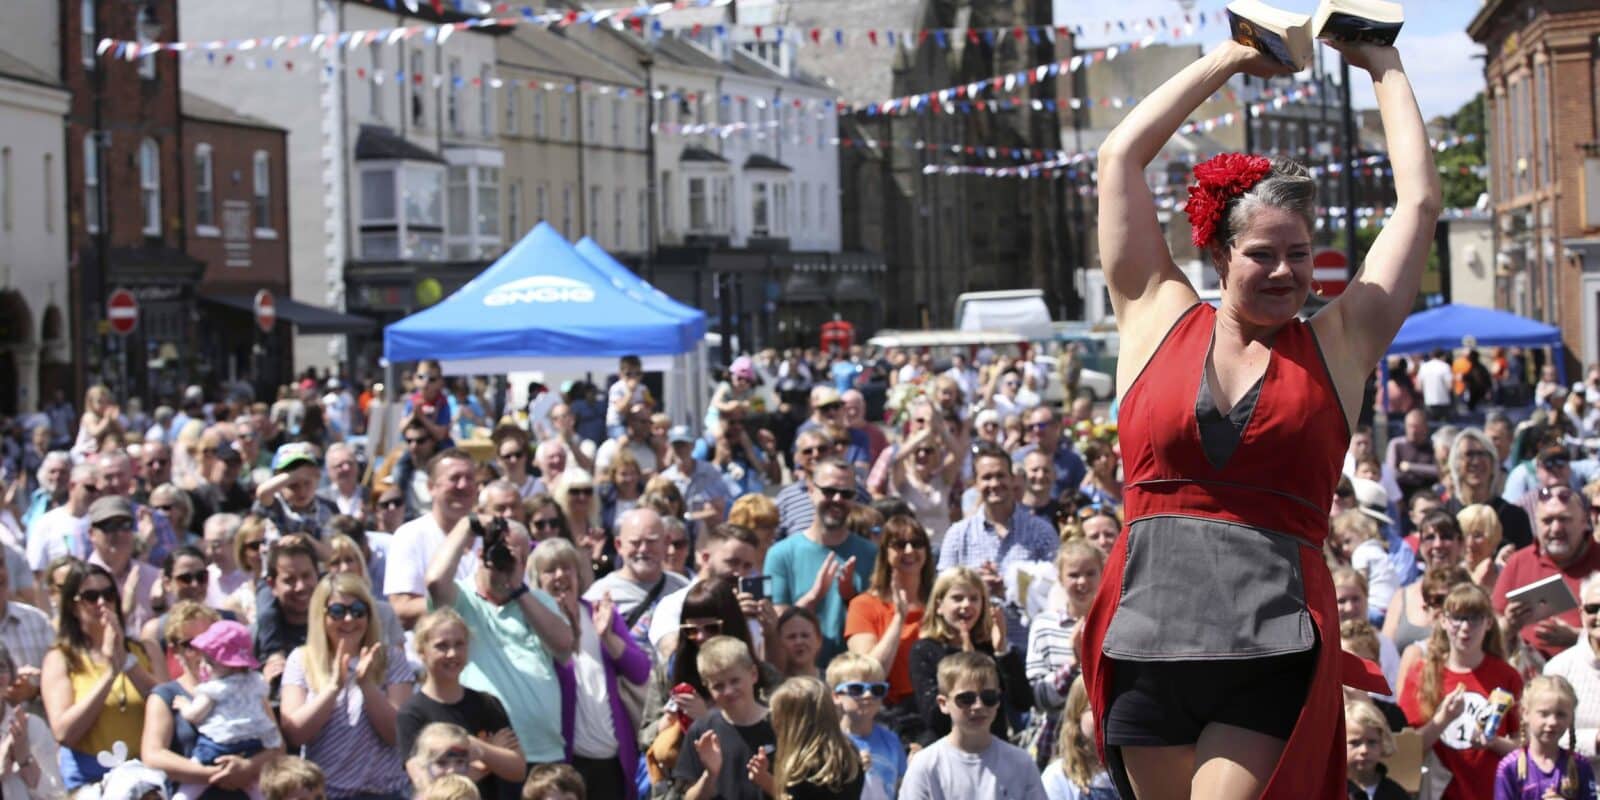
(1052, 658)
(342, 692)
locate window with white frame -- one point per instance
(145, 22)
(541, 202)
(616, 220)
(473, 194)
(760, 208)
(566, 116)
(375, 80)
(452, 96)
(593, 217)
(88, 40)
(513, 108)
(402, 212)
(205, 196)
(538, 112)
(261, 172)
(419, 105)
(485, 101)
(514, 209)
(91, 183)
(566, 210)
(699, 205)
(150, 186)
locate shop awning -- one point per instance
(305, 317)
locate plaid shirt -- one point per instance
(26, 632)
(972, 541)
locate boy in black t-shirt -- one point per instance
(728, 738)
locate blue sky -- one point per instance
(1438, 54)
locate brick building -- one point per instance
(125, 203)
(1543, 108)
(235, 190)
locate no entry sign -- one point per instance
(266, 311)
(122, 311)
(1331, 271)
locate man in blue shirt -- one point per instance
(1044, 433)
(827, 565)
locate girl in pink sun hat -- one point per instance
(229, 709)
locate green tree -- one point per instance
(1460, 167)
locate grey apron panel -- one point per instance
(1203, 589)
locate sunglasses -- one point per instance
(830, 408)
(907, 544)
(155, 462)
(95, 597)
(1560, 493)
(877, 689)
(677, 544)
(513, 455)
(255, 545)
(392, 505)
(356, 610)
(836, 493)
(813, 451)
(547, 524)
(582, 491)
(988, 697)
(116, 526)
(196, 578)
(1433, 600)
(1464, 620)
(1591, 608)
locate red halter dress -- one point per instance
(1221, 558)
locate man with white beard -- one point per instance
(637, 588)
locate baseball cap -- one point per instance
(106, 509)
(293, 455)
(680, 433)
(1372, 499)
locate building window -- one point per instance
(1542, 70)
(538, 113)
(145, 23)
(666, 200)
(593, 213)
(485, 102)
(49, 193)
(6, 189)
(91, 183)
(780, 209)
(474, 202)
(88, 41)
(419, 106)
(566, 210)
(805, 206)
(616, 221)
(566, 116)
(591, 120)
(402, 212)
(721, 211)
(760, 209)
(699, 205)
(541, 202)
(452, 97)
(261, 180)
(513, 108)
(514, 210)
(150, 186)
(616, 121)
(205, 199)
(375, 80)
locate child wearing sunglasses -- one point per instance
(859, 687)
(971, 761)
(229, 709)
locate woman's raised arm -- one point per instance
(1147, 289)
(1366, 317)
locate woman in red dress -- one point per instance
(1211, 651)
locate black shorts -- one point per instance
(1168, 703)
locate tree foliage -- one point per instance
(1460, 166)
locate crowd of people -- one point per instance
(832, 607)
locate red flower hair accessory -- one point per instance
(1219, 180)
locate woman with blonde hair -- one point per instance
(1477, 477)
(621, 487)
(575, 494)
(347, 557)
(960, 619)
(1481, 532)
(1464, 656)
(814, 757)
(1077, 771)
(342, 691)
(249, 552)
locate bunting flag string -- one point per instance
(659, 18)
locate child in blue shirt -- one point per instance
(858, 690)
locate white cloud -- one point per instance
(1443, 69)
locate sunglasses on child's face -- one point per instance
(877, 689)
(989, 697)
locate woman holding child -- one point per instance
(1206, 679)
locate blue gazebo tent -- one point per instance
(1456, 325)
(540, 306)
(625, 279)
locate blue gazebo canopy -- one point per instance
(540, 302)
(1450, 326)
(626, 280)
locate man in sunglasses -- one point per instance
(1562, 546)
(1551, 467)
(1043, 432)
(116, 480)
(428, 404)
(796, 509)
(63, 530)
(823, 568)
(111, 540)
(827, 411)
